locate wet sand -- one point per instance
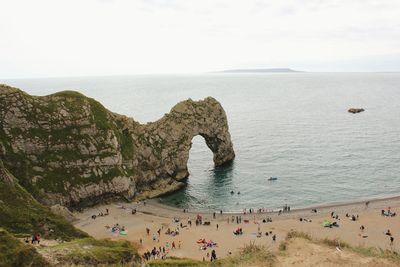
(154, 215)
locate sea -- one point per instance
(292, 126)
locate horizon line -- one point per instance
(219, 72)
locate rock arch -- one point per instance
(172, 135)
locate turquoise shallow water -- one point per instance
(293, 126)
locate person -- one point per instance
(213, 255)
(179, 244)
(362, 228)
(274, 238)
(217, 226)
(148, 231)
(107, 212)
(141, 241)
(173, 245)
(367, 204)
(38, 238)
(388, 233)
(214, 214)
(391, 240)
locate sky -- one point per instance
(46, 38)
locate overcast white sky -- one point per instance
(45, 38)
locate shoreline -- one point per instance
(155, 216)
(323, 206)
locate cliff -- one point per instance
(21, 216)
(68, 149)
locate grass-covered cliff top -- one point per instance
(43, 138)
(15, 253)
(22, 215)
(91, 252)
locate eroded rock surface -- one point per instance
(68, 149)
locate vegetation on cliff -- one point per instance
(91, 252)
(68, 149)
(22, 216)
(15, 253)
(249, 255)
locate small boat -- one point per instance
(272, 178)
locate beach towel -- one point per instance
(326, 223)
(123, 232)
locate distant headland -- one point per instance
(273, 70)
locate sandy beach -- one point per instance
(154, 216)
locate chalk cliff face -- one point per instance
(68, 149)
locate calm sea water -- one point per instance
(292, 126)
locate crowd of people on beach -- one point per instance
(100, 214)
(161, 252)
(388, 212)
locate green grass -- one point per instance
(364, 251)
(179, 262)
(290, 235)
(15, 253)
(69, 94)
(22, 215)
(99, 115)
(89, 251)
(249, 255)
(126, 141)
